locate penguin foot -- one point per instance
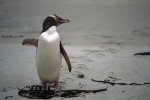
(55, 84)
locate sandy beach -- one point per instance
(100, 41)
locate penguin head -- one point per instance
(53, 20)
(58, 20)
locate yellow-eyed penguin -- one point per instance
(49, 51)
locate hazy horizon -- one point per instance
(96, 16)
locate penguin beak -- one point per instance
(61, 21)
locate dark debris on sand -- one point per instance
(41, 92)
(8, 97)
(12, 36)
(114, 83)
(80, 75)
(142, 53)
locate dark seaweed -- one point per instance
(114, 83)
(142, 53)
(40, 92)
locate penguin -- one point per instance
(49, 51)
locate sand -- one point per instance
(100, 41)
(98, 62)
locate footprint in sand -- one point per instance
(78, 72)
(112, 77)
(84, 58)
(96, 53)
(82, 67)
(65, 81)
(81, 85)
(68, 79)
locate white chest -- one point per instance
(48, 57)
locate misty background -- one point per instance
(91, 20)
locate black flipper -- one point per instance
(65, 56)
(30, 41)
